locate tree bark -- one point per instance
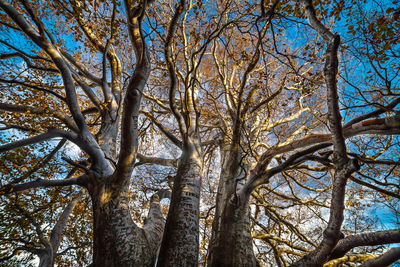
(46, 258)
(231, 242)
(180, 245)
(384, 260)
(118, 241)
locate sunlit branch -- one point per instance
(137, 82)
(146, 160)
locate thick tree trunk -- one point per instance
(46, 258)
(180, 245)
(231, 242)
(118, 241)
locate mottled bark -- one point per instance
(231, 243)
(118, 241)
(46, 258)
(180, 245)
(107, 135)
(233, 246)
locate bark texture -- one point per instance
(117, 239)
(180, 243)
(365, 239)
(231, 242)
(233, 245)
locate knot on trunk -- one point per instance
(234, 201)
(160, 194)
(352, 166)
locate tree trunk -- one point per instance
(180, 245)
(118, 241)
(46, 258)
(107, 135)
(231, 242)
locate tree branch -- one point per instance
(384, 260)
(50, 112)
(51, 133)
(170, 65)
(7, 189)
(145, 160)
(55, 237)
(56, 57)
(137, 82)
(343, 166)
(365, 239)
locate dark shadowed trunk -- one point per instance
(118, 241)
(231, 242)
(46, 257)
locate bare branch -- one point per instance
(384, 260)
(49, 112)
(365, 239)
(7, 189)
(51, 133)
(343, 166)
(171, 69)
(145, 160)
(34, 87)
(55, 237)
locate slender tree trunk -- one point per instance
(180, 245)
(231, 242)
(118, 241)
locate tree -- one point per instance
(48, 250)
(219, 81)
(107, 177)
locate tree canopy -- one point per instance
(185, 133)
